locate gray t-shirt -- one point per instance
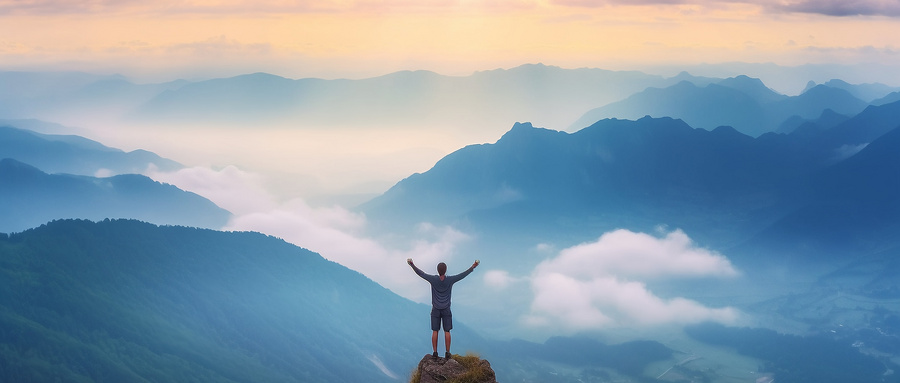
(441, 289)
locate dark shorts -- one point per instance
(441, 315)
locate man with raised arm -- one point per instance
(441, 287)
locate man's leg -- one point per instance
(447, 321)
(434, 341)
(435, 326)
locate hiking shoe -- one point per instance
(447, 355)
(435, 355)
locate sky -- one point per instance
(154, 41)
(196, 39)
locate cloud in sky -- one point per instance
(598, 285)
(333, 232)
(338, 39)
(226, 7)
(842, 8)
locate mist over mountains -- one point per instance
(72, 154)
(545, 95)
(46, 176)
(670, 202)
(538, 92)
(30, 197)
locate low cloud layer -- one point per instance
(334, 232)
(599, 284)
(593, 285)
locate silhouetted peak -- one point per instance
(684, 76)
(523, 125)
(726, 130)
(809, 85)
(743, 79)
(752, 85)
(821, 88)
(8, 165)
(685, 84)
(837, 83)
(525, 130)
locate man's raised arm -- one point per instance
(416, 269)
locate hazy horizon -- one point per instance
(300, 181)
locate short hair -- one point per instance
(442, 268)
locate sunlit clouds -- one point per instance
(638, 255)
(600, 284)
(333, 39)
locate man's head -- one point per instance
(442, 268)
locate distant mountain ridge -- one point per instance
(539, 92)
(741, 102)
(722, 186)
(545, 95)
(76, 155)
(30, 197)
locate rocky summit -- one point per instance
(459, 368)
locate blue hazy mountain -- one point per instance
(74, 154)
(827, 120)
(538, 92)
(30, 197)
(865, 92)
(613, 174)
(128, 301)
(853, 210)
(63, 96)
(741, 102)
(863, 128)
(722, 186)
(890, 98)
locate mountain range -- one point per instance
(740, 102)
(128, 301)
(55, 153)
(809, 215)
(722, 186)
(49, 176)
(30, 197)
(545, 95)
(538, 92)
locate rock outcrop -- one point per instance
(459, 368)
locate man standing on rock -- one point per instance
(441, 286)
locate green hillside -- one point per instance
(127, 301)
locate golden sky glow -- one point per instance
(354, 39)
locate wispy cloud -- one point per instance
(163, 6)
(245, 7)
(334, 232)
(599, 284)
(842, 7)
(839, 8)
